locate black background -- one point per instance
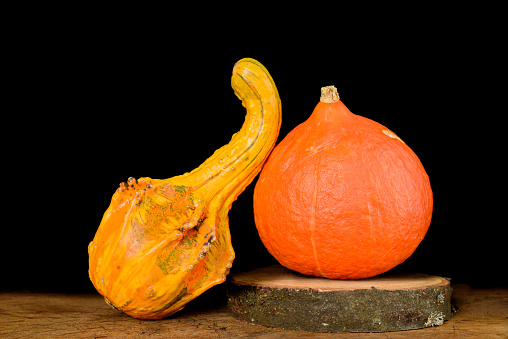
(96, 103)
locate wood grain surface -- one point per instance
(482, 313)
(280, 277)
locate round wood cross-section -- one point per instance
(277, 297)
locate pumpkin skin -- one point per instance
(161, 243)
(342, 196)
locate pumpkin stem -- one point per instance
(329, 94)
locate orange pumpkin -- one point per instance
(161, 243)
(342, 196)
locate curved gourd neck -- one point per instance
(249, 147)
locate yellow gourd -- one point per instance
(161, 243)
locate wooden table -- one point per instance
(482, 313)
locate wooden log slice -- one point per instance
(277, 297)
